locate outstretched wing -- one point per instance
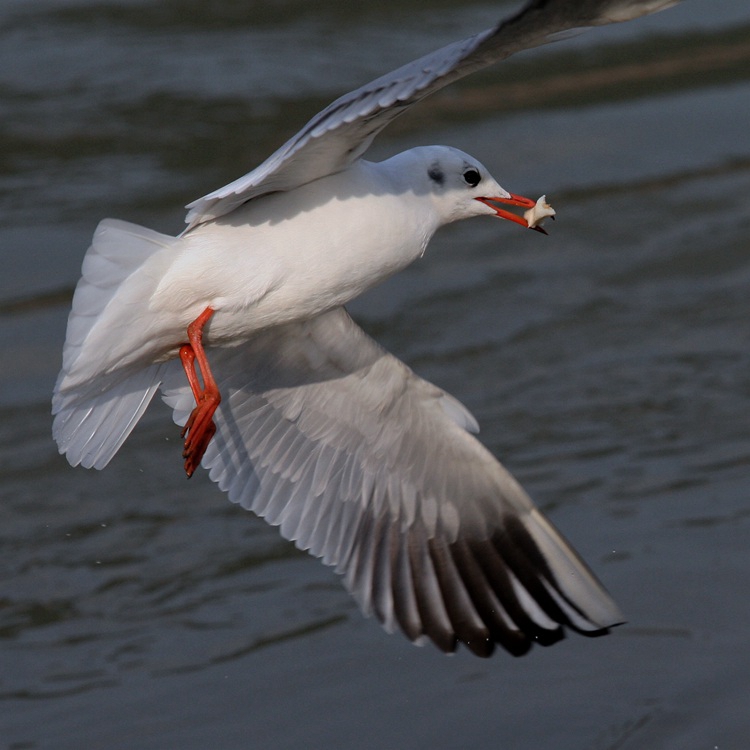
(343, 131)
(328, 436)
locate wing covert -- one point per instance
(339, 134)
(357, 460)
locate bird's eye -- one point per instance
(472, 177)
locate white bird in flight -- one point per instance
(296, 413)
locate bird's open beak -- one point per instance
(514, 200)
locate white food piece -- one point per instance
(542, 210)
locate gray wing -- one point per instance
(343, 131)
(364, 464)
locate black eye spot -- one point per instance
(472, 177)
(436, 174)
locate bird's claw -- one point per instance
(199, 428)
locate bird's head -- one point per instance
(461, 187)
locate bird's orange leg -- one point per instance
(200, 427)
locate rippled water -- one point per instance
(608, 364)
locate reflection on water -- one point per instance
(608, 365)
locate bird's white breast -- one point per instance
(292, 255)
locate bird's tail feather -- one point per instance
(117, 250)
(90, 428)
(95, 405)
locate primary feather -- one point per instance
(358, 460)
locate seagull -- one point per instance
(295, 412)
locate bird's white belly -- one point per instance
(277, 260)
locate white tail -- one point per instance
(96, 405)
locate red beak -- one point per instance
(514, 200)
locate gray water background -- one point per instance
(608, 365)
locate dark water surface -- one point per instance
(608, 364)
